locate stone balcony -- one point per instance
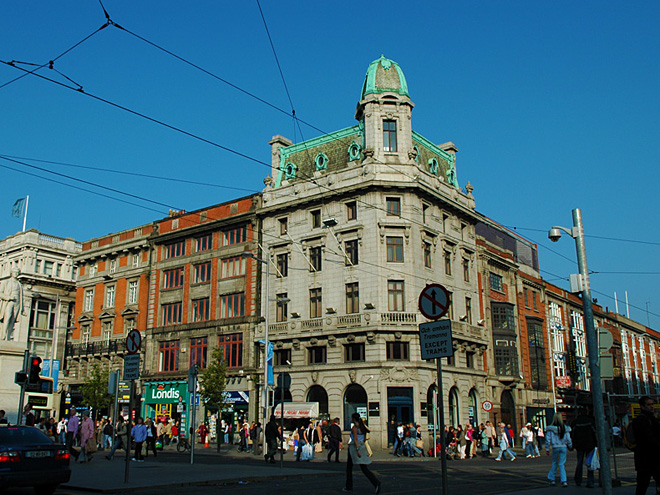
(97, 348)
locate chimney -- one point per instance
(276, 143)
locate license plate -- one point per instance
(37, 453)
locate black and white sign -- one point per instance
(435, 339)
(132, 367)
(434, 301)
(133, 341)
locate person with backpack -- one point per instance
(583, 435)
(646, 430)
(558, 437)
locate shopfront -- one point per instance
(235, 412)
(164, 400)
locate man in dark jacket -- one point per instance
(583, 434)
(334, 439)
(646, 428)
(272, 437)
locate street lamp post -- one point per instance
(577, 233)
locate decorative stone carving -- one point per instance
(268, 181)
(350, 338)
(351, 375)
(332, 340)
(371, 337)
(315, 376)
(296, 344)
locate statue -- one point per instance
(11, 304)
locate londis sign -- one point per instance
(165, 392)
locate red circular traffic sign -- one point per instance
(487, 405)
(434, 301)
(133, 341)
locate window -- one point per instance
(110, 296)
(136, 260)
(203, 243)
(58, 270)
(389, 135)
(469, 359)
(200, 309)
(232, 305)
(353, 352)
(503, 319)
(447, 258)
(315, 303)
(92, 269)
(536, 308)
(85, 332)
(173, 278)
(316, 219)
(37, 268)
(506, 358)
(168, 356)
(496, 282)
(198, 348)
(399, 351)
(393, 206)
(317, 355)
(315, 259)
(537, 354)
(89, 300)
(113, 265)
(466, 270)
(526, 295)
(202, 273)
(233, 267)
(281, 357)
(129, 324)
(351, 210)
(352, 298)
(284, 225)
(468, 310)
(106, 330)
(426, 246)
(44, 316)
(282, 264)
(425, 212)
(233, 236)
(351, 252)
(48, 268)
(171, 313)
(282, 306)
(395, 295)
(394, 249)
(232, 349)
(175, 249)
(133, 292)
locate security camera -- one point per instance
(554, 234)
(288, 363)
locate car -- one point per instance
(30, 458)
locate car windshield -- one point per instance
(22, 435)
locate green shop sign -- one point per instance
(165, 392)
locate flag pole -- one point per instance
(27, 201)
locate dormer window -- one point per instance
(354, 152)
(321, 161)
(433, 165)
(389, 135)
(290, 171)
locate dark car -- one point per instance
(30, 458)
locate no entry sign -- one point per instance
(434, 301)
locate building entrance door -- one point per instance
(400, 404)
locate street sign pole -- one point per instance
(443, 437)
(129, 427)
(21, 397)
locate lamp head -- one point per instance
(554, 234)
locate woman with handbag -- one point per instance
(87, 438)
(358, 454)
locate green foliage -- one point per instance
(95, 389)
(212, 381)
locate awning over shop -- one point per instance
(294, 410)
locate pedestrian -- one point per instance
(121, 438)
(317, 438)
(462, 441)
(491, 434)
(529, 441)
(301, 441)
(509, 431)
(646, 428)
(107, 434)
(272, 438)
(398, 442)
(152, 435)
(583, 436)
(72, 432)
(558, 437)
(505, 445)
(28, 415)
(226, 431)
(468, 441)
(87, 437)
(358, 454)
(540, 440)
(523, 437)
(3, 420)
(258, 430)
(485, 441)
(139, 435)
(334, 439)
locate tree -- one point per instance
(212, 381)
(95, 389)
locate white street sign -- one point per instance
(132, 367)
(435, 339)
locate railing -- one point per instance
(114, 346)
(349, 320)
(398, 318)
(50, 240)
(278, 327)
(314, 323)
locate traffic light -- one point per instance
(35, 370)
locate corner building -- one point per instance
(356, 223)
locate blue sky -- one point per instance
(553, 106)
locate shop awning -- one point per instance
(294, 410)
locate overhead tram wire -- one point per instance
(133, 174)
(89, 183)
(631, 305)
(96, 193)
(617, 239)
(50, 62)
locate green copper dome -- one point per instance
(384, 76)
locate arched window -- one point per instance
(317, 393)
(290, 171)
(355, 400)
(354, 151)
(278, 396)
(508, 407)
(432, 413)
(433, 165)
(473, 409)
(454, 418)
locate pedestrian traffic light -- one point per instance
(35, 370)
